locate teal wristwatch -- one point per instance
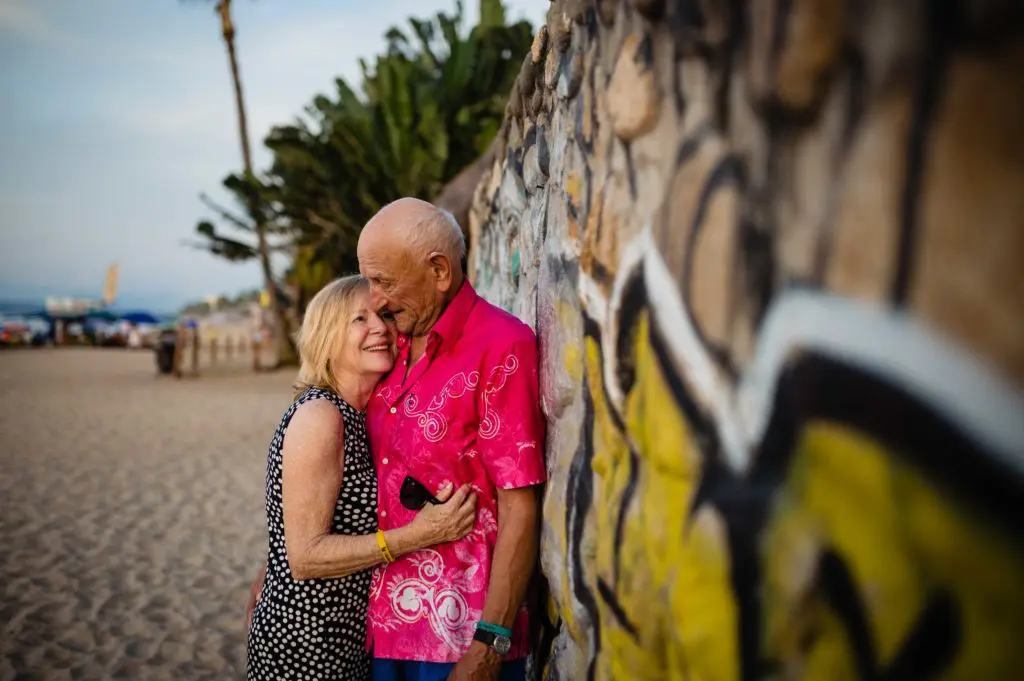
(497, 638)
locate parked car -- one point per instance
(18, 330)
(13, 331)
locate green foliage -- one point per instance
(428, 106)
(250, 194)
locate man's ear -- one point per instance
(441, 268)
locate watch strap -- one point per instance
(486, 637)
(496, 642)
(494, 629)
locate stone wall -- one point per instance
(774, 253)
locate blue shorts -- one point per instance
(403, 670)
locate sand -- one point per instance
(131, 515)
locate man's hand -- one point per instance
(480, 663)
(255, 591)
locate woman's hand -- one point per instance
(450, 520)
(255, 593)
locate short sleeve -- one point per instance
(510, 441)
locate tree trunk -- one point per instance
(286, 345)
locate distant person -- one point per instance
(461, 406)
(134, 337)
(257, 339)
(308, 617)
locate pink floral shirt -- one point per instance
(468, 412)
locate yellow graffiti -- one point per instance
(680, 568)
(900, 552)
(610, 465)
(556, 500)
(688, 564)
(902, 543)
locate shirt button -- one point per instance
(383, 514)
(385, 461)
(393, 410)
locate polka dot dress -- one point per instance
(315, 630)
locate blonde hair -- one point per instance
(325, 323)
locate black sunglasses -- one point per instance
(414, 495)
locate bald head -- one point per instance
(417, 227)
(411, 251)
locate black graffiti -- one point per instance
(593, 331)
(942, 19)
(579, 499)
(927, 650)
(825, 389)
(728, 172)
(618, 612)
(815, 388)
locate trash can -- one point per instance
(165, 348)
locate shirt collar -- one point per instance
(451, 322)
(448, 327)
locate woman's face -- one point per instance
(369, 344)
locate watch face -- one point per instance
(502, 644)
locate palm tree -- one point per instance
(227, 27)
(424, 113)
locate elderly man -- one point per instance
(460, 406)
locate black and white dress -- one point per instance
(315, 630)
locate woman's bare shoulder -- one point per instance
(316, 425)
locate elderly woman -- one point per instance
(310, 619)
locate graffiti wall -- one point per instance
(774, 253)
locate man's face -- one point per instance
(403, 284)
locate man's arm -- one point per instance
(510, 442)
(515, 556)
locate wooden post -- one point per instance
(179, 351)
(256, 351)
(195, 350)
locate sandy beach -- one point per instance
(131, 515)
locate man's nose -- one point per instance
(376, 297)
(378, 325)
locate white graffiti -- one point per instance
(445, 609)
(947, 377)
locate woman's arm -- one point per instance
(312, 469)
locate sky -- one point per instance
(117, 114)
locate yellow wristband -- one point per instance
(382, 544)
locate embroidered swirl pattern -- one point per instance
(431, 420)
(490, 422)
(419, 596)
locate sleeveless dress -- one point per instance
(315, 629)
